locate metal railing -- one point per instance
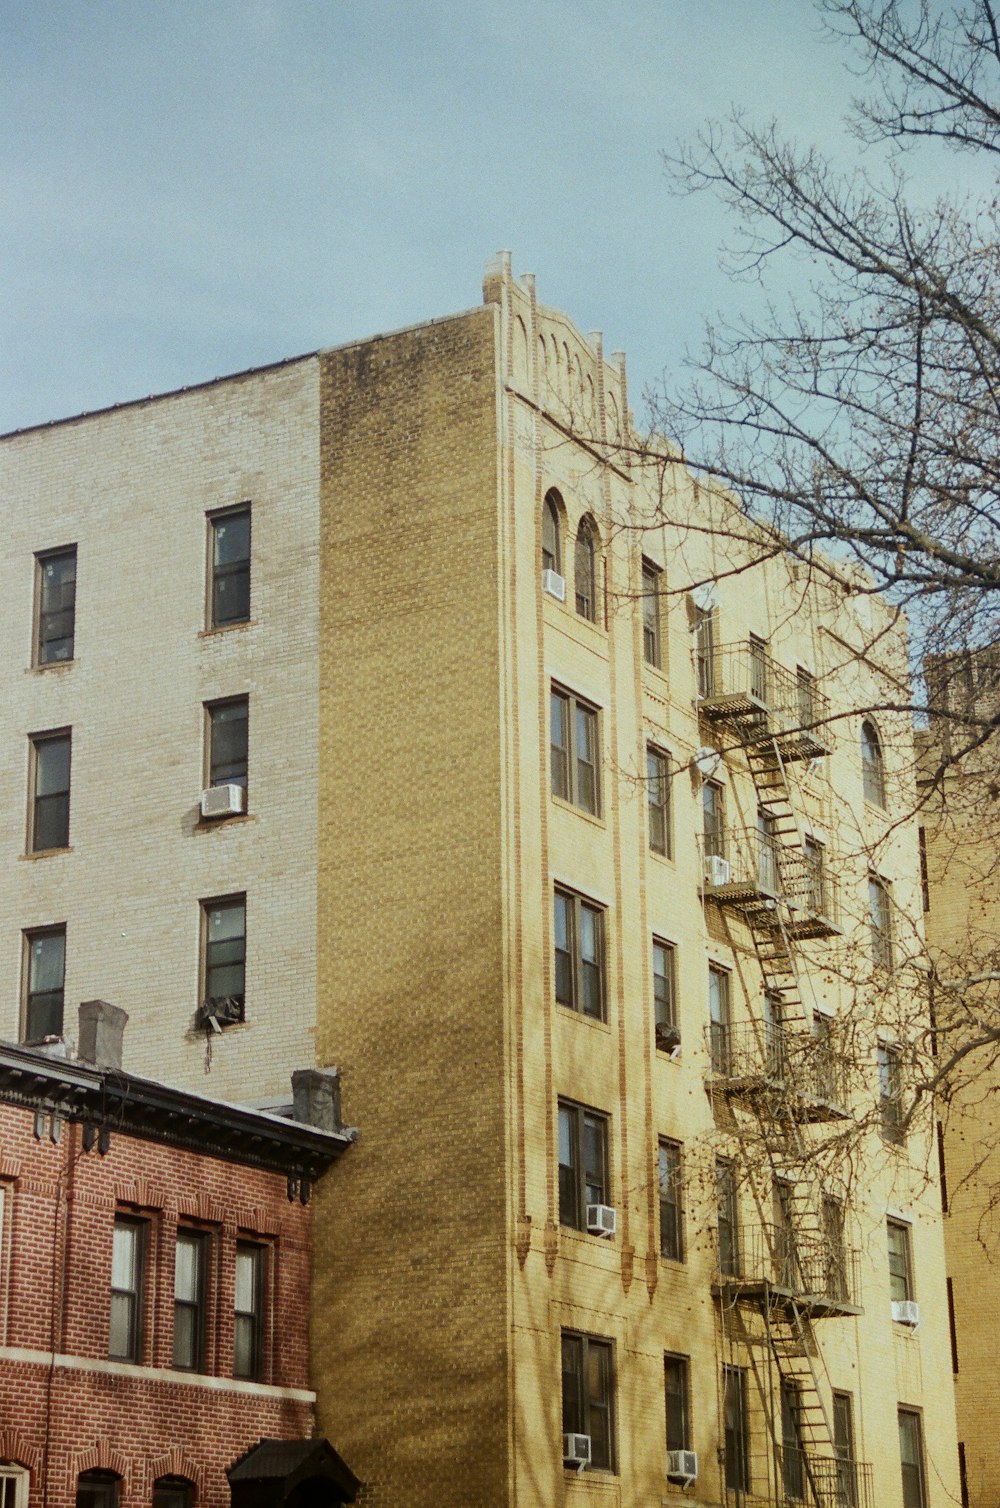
(798, 1478)
(742, 680)
(745, 865)
(765, 1055)
(808, 1266)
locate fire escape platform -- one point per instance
(765, 1294)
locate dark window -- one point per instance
(911, 1459)
(97, 1489)
(671, 1204)
(50, 761)
(872, 765)
(718, 1019)
(890, 1091)
(834, 1255)
(585, 571)
(736, 1440)
(45, 969)
(727, 1205)
(579, 954)
(652, 647)
(768, 872)
(665, 995)
(704, 652)
(792, 1460)
(900, 1266)
(249, 1329)
(760, 664)
(128, 1261)
(588, 1394)
(824, 1052)
(676, 1389)
(551, 552)
(190, 1272)
(805, 685)
(225, 955)
(56, 606)
(658, 801)
(227, 742)
(230, 545)
(843, 1450)
(816, 896)
(574, 730)
(713, 818)
(880, 922)
(583, 1163)
(172, 1492)
(786, 1265)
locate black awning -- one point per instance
(297, 1473)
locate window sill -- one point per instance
(656, 671)
(569, 1010)
(49, 665)
(205, 824)
(661, 858)
(45, 853)
(227, 628)
(579, 811)
(600, 1478)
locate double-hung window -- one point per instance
(713, 819)
(588, 1394)
(229, 543)
(578, 927)
(843, 1450)
(98, 1489)
(224, 924)
(248, 1337)
(574, 731)
(55, 595)
(872, 765)
(665, 995)
(880, 922)
(13, 1486)
(792, 1455)
(658, 801)
(720, 1045)
(50, 762)
(676, 1386)
(736, 1439)
(585, 571)
(173, 1492)
(911, 1458)
(45, 972)
(583, 1162)
(190, 1279)
(727, 1218)
(652, 646)
(900, 1261)
(128, 1262)
(890, 1091)
(227, 742)
(671, 1203)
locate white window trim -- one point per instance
(20, 1477)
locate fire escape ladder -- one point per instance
(791, 1345)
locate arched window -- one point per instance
(97, 1489)
(872, 767)
(13, 1486)
(551, 552)
(585, 571)
(173, 1492)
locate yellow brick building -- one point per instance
(563, 839)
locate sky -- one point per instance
(194, 187)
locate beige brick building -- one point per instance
(563, 840)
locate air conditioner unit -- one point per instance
(906, 1312)
(554, 584)
(576, 1451)
(602, 1220)
(717, 870)
(682, 1466)
(223, 801)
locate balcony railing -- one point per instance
(751, 869)
(781, 1263)
(794, 1478)
(761, 1056)
(742, 685)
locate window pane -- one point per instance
(48, 959)
(559, 736)
(232, 538)
(562, 917)
(120, 1342)
(572, 1384)
(56, 607)
(124, 1257)
(52, 769)
(595, 1158)
(186, 1273)
(228, 756)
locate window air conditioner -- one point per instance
(682, 1466)
(906, 1312)
(576, 1451)
(554, 584)
(223, 801)
(602, 1220)
(221, 1010)
(717, 870)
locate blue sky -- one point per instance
(192, 187)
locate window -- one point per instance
(227, 742)
(824, 1059)
(652, 648)
(230, 546)
(56, 599)
(588, 1394)
(97, 1489)
(718, 1019)
(768, 871)
(579, 954)
(671, 1207)
(880, 922)
(128, 1260)
(713, 818)
(727, 1206)
(13, 1486)
(792, 1458)
(665, 995)
(736, 1439)
(805, 686)
(900, 1267)
(583, 1163)
(911, 1459)
(172, 1492)
(225, 947)
(50, 761)
(843, 1450)
(816, 897)
(786, 1264)
(585, 571)
(574, 729)
(872, 765)
(551, 551)
(45, 970)
(248, 1346)
(677, 1391)
(890, 1091)
(760, 664)
(658, 801)
(190, 1263)
(704, 652)
(834, 1254)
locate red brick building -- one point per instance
(154, 1287)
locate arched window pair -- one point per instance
(872, 764)
(584, 556)
(101, 1489)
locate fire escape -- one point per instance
(771, 1081)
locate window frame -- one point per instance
(678, 1418)
(665, 1002)
(872, 765)
(736, 1457)
(842, 1414)
(659, 812)
(37, 742)
(727, 1218)
(793, 1474)
(552, 517)
(880, 929)
(889, 1064)
(40, 660)
(713, 818)
(572, 971)
(914, 1486)
(100, 1489)
(706, 628)
(135, 1296)
(577, 1413)
(670, 1179)
(173, 1492)
(29, 995)
(720, 1020)
(207, 907)
(576, 1180)
(212, 763)
(652, 627)
(900, 1260)
(220, 573)
(585, 565)
(199, 1241)
(20, 1476)
(261, 1254)
(566, 756)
